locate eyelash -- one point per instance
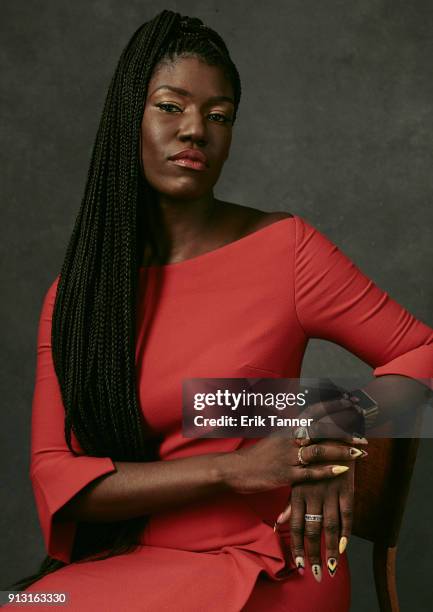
(163, 105)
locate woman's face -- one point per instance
(189, 105)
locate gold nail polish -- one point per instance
(357, 440)
(339, 469)
(355, 452)
(317, 572)
(342, 545)
(332, 566)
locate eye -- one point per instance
(167, 107)
(220, 118)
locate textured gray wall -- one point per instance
(335, 124)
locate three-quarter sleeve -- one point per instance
(56, 473)
(336, 301)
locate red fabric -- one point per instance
(244, 310)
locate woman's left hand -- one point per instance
(334, 500)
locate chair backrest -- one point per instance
(381, 488)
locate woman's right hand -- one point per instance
(273, 462)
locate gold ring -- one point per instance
(300, 458)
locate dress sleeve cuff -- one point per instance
(54, 489)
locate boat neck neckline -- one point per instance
(223, 248)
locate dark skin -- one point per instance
(190, 221)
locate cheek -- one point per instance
(153, 154)
(151, 140)
(226, 146)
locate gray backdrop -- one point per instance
(335, 124)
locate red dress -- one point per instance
(244, 310)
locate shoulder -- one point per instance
(249, 219)
(267, 218)
(260, 219)
(307, 239)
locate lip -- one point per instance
(190, 158)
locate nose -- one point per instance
(193, 127)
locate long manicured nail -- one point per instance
(342, 545)
(332, 566)
(358, 439)
(278, 521)
(317, 572)
(339, 469)
(300, 564)
(358, 452)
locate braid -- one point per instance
(94, 318)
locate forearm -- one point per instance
(136, 489)
(396, 394)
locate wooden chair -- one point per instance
(381, 488)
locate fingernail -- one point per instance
(332, 566)
(342, 545)
(358, 439)
(339, 469)
(280, 518)
(364, 453)
(300, 564)
(317, 572)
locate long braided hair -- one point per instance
(93, 326)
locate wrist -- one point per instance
(225, 468)
(367, 407)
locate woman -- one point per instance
(153, 290)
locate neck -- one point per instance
(180, 227)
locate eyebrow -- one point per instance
(184, 92)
